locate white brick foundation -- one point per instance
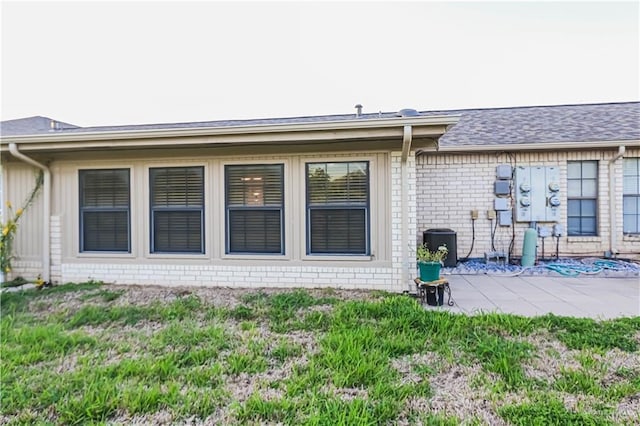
(231, 276)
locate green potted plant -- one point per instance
(430, 261)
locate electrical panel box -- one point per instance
(502, 187)
(501, 204)
(537, 191)
(558, 230)
(505, 218)
(503, 171)
(544, 231)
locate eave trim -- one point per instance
(329, 126)
(540, 146)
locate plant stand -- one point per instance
(433, 291)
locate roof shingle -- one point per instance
(491, 126)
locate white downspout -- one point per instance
(404, 201)
(612, 202)
(46, 210)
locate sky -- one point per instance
(108, 63)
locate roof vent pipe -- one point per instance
(358, 108)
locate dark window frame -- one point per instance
(245, 208)
(175, 209)
(580, 217)
(84, 210)
(627, 194)
(365, 207)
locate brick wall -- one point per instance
(340, 274)
(231, 276)
(400, 262)
(451, 185)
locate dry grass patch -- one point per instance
(96, 353)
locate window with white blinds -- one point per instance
(254, 209)
(338, 208)
(104, 210)
(177, 209)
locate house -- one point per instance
(338, 200)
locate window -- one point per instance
(104, 210)
(338, 208)
(177, 209)
(255, 209)
(631, 196)
(582, 197)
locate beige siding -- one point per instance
(18, 181)
(381, 270)
(451, 185)
(66, 204)
(442, 190)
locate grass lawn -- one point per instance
(91, 353)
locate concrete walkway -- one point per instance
(592, 297)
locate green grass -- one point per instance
(549, 413)
(186, 357)
(15, 302)
(585, 333)
(578, 382)
(285, 350)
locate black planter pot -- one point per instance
(435, 295)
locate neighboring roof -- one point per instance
(476, 127)
(545, 124)
(33, 125)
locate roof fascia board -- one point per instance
(229, 140)
(444, 120)
(540, 146)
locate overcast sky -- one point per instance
(94, 63)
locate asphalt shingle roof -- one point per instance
(541, 124)
(491, 126)
(32, 126)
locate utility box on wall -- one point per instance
(537, 191)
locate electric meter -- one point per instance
(554, 201)
(539, 193)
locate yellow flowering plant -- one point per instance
(10, 226)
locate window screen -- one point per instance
(104, 210)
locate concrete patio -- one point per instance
(592, 297)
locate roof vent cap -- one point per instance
(407, 112)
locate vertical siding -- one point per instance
(19, 181)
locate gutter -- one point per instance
(46, 210)
(612, 202)
(407, 137)
(330, 126)
(538, 146)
